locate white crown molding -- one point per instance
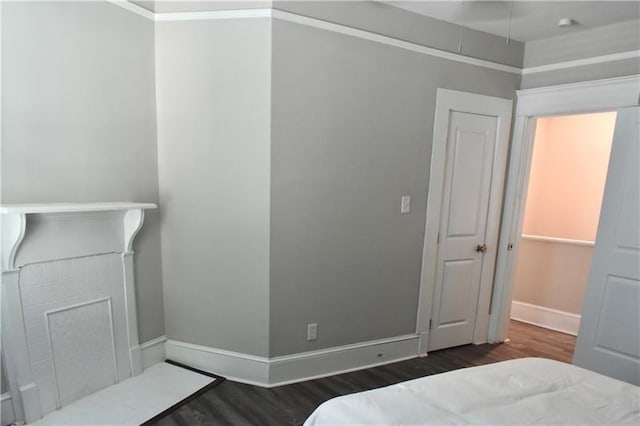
(582, 62)
(281, 370)
(390, 41)
(366, 35)
(132, 7)
(553, 319)
(213, 15)
(315, 23)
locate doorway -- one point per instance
(468, 163)
(575, 98)
(562, 206)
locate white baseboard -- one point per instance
(153, 352)
(7, 415)
(276, 371)
(553, 319)
(235, 366)
(342, 359)
(30, 402)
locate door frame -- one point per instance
(447, 101)
(576, 98)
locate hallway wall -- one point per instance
(566, 185)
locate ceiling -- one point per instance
(531, 20)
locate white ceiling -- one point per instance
(531, 20)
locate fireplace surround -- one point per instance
(69, 322)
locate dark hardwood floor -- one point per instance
(239, 404)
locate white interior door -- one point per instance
(463, 250)
(609, 336)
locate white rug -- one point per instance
(132, 401)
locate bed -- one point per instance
(521, 391)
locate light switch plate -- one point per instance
(406, 204)
(312, 331)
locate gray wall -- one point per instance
(78, 119)
(352, 122)
(4, 386)
(600, 41)
(213, 93)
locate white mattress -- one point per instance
(522, 391)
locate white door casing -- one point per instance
(609, 336)
(574, 98)
(466, 169)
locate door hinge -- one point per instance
(429, 324)
(438, 239)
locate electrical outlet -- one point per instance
(312, 331)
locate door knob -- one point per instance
(481, 248)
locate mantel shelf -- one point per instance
(14, 224)
(72, 207)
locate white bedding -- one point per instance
(522, 391)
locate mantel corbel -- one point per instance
(12, 229)
(133, 220)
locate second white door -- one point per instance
(463, 248)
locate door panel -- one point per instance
(609, 336)
(457, 276)
(471, 144)
(466, 186)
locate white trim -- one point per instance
(45, 208)
(631, 54)
(586, 96)
(556, 240)
(414, 47)
(6, 409)
(589, 96)
(153, 352)
(30, 402)
(552, 319)
(213, 15)
(342, 359)
(131, 315)
(367, 35)
(277, 371)
(235, 366)
(450, 100)
(132, 7)
(337, 28)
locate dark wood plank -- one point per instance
(239, 404)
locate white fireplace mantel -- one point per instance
(14, 222)
(35, 233)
